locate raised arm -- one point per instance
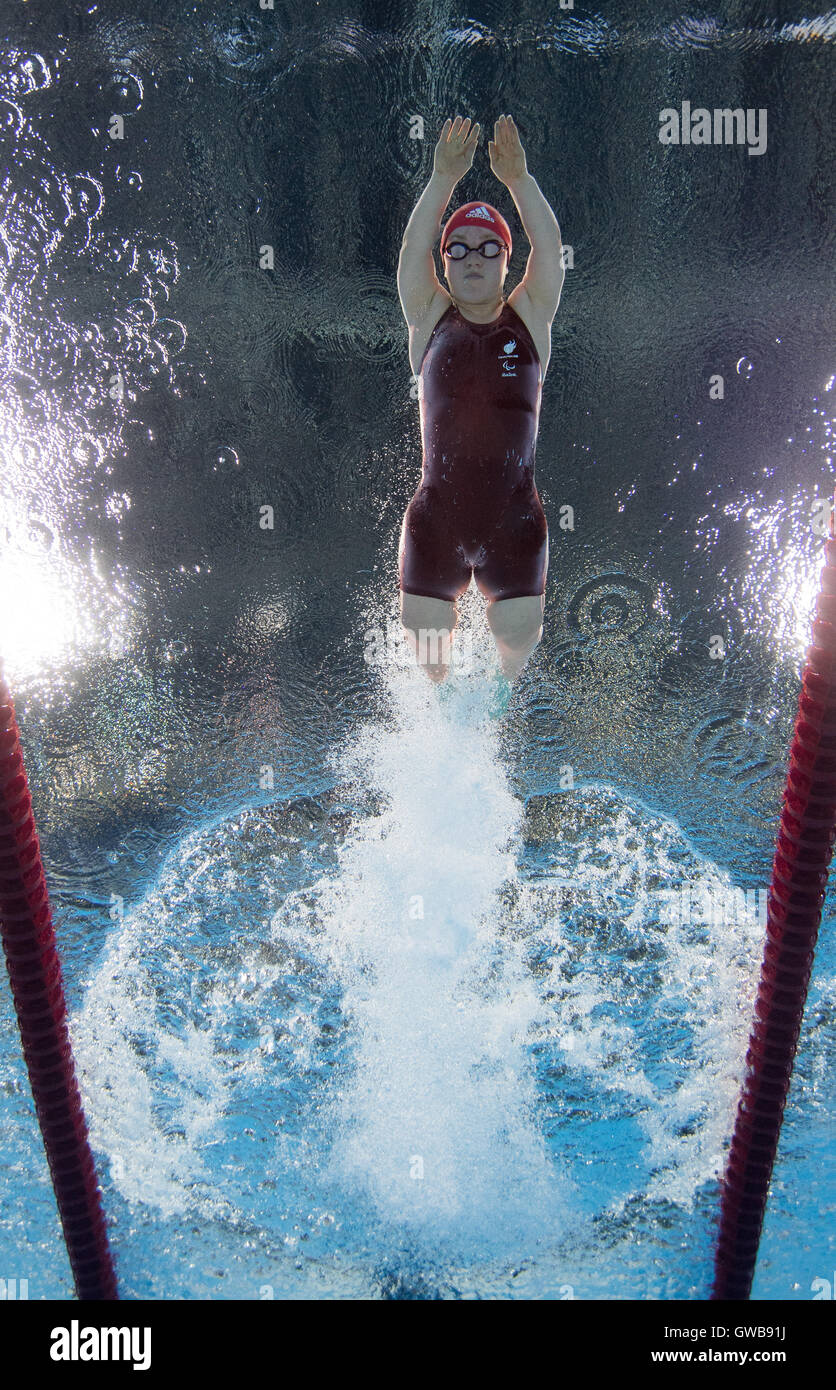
(544, 271)
(417, 278)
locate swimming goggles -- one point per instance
(457, 250)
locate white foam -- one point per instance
(121, 1047)
(435, 1123)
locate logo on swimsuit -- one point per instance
(507, 356)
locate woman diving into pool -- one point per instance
(480, 360)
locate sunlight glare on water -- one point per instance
(54, 614)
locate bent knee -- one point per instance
(517, 619)
(430, 623)
(531, 639)
(419, 613)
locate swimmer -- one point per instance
(480, 359)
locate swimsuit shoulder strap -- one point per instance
(523, 327)
(509, 308)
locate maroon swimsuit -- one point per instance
(477, 509)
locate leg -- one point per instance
(516, 564)
(429, 625)
(517, 626)
(429, 558)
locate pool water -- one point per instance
(373, 995)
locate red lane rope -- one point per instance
(38, 989)
(794, 907)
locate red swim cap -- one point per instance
(478, 215)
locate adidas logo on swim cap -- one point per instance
(485, 213)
